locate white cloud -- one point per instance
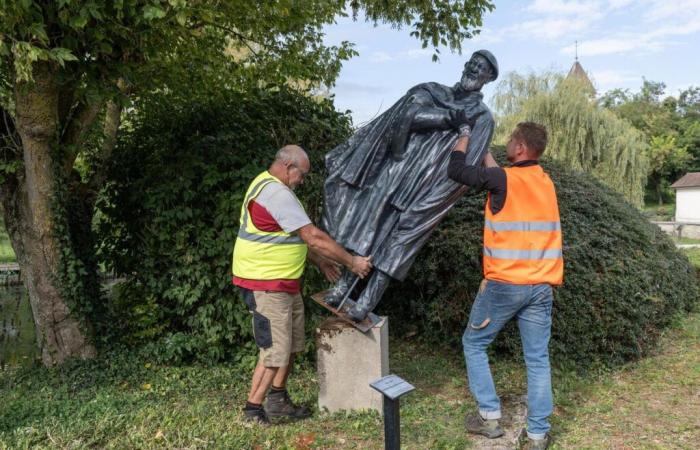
(550, 29)
(415, 53)
(618, 4)
(552, 20)
(662, 23)
(562, 7)
(350, 88)
(605, 78)
(488, 36)
(677, 9)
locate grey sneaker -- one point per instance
(525, 443)
(256, 415)
(279, 404)
(485, 427)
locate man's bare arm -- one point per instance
(489, 160)
(322, 244)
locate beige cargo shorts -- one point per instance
(278, 325)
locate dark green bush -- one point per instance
(624, 279)
(170, 213)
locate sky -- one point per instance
(619, 43)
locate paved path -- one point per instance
(11, 267)
(688, 245)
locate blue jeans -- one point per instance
(495, 305)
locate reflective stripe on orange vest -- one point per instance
(522, 242)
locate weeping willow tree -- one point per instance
(582, 134)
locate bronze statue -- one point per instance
(387, 185)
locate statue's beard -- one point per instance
(470, 84)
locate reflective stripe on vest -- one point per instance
(522, 242)
(262, 236)
(264, 255)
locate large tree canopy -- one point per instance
(582, 134)
(68, 71)
(671, 126)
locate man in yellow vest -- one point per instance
(522, 261)
(274, 239)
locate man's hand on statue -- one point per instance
(465, 131)
(361, 265)
(330, 269)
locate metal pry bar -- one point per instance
(340, 307)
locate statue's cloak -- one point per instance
(387, 185)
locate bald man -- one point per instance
(274, 240)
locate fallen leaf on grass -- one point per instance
(303, 441)
(159, 434)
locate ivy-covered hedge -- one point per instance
(624, 280)
(169, 216)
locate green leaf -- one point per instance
(151, 12)
(105, 48)
(78, 22)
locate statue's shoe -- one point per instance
(334, 298)
(358, 313)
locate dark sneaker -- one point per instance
(255, 415)
(279, 404)
(525, 443)
(485, 427)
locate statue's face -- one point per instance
(477, 72)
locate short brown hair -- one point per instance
(533, 135)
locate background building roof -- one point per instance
(690, 179)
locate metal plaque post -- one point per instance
(392, 388)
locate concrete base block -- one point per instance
(348, 360)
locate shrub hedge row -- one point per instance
(169, 216)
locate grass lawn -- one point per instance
(127, 403)
(685, 240)
(7, 255)
(693, 256)
(659, 213)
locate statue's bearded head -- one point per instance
(479, 70)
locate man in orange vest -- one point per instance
(522, 261)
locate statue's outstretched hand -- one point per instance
(459, 117)
(361, 265)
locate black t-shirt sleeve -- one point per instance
(492, 179)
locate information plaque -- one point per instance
(392, 386)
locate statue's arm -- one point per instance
(431, 118)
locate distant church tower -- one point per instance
(577, 73)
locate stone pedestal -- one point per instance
(348, 360)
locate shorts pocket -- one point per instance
(249, 299)
(262, 330)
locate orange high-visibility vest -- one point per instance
(522, 242)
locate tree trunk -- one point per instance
(31, 223)
(659, 193)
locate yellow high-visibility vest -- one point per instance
(523, 242)
(264, 255)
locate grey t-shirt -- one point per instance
(283, 206)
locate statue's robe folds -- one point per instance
(387, 186)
